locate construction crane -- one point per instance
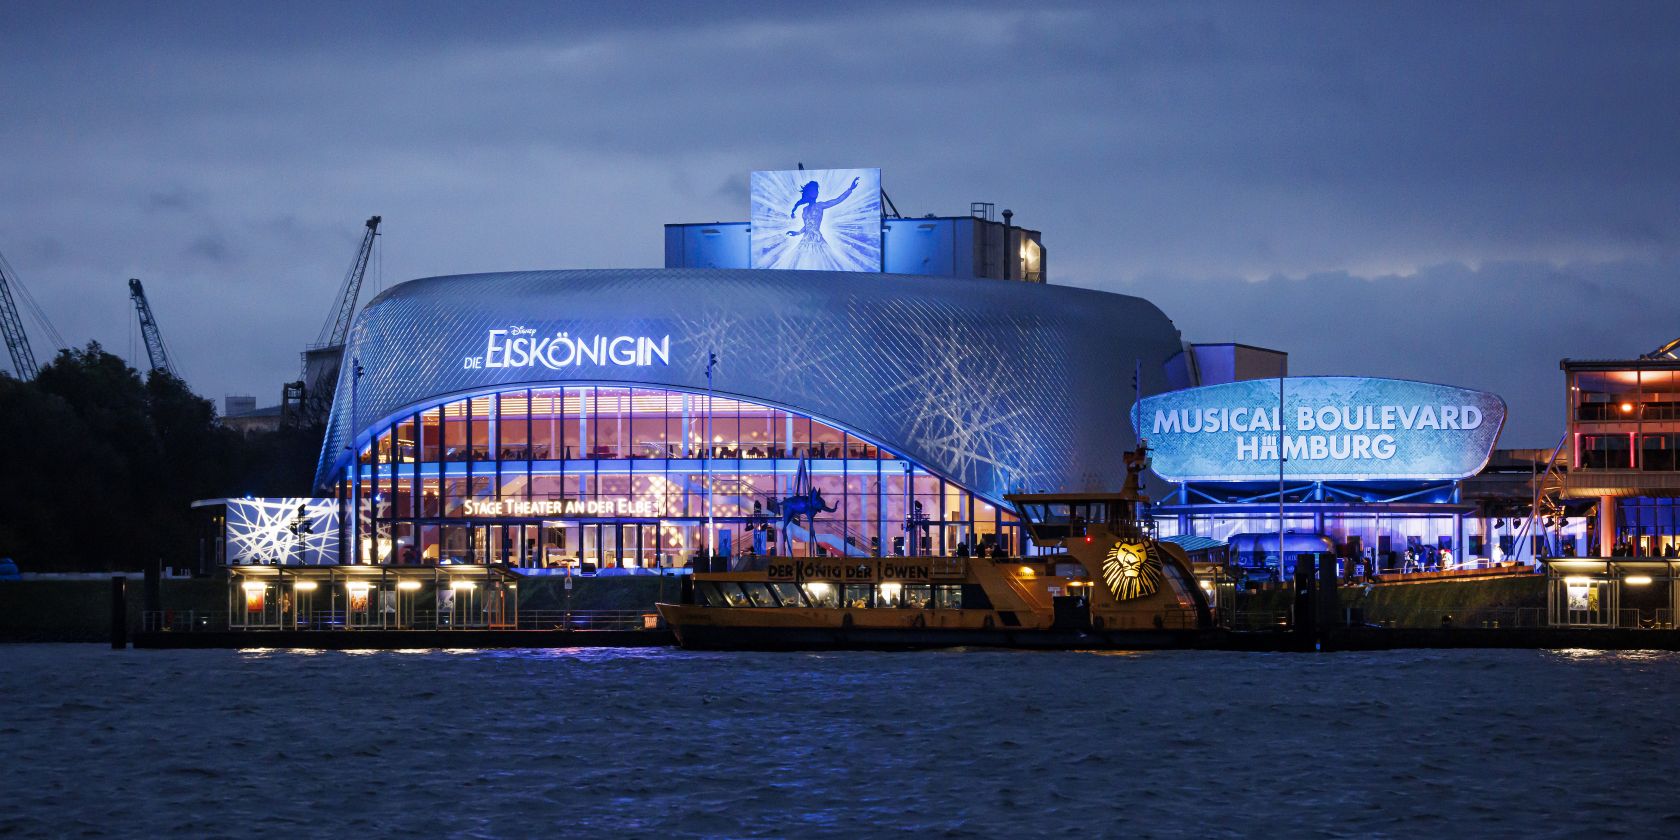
(307, 401)
(1670, 350)
(11, 323)
(17, 341)
(156, 353)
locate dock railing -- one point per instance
(1251, 620)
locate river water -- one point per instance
(958, 743)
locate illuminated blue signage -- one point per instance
(520, 346)
(822, 219)
(1333, 427)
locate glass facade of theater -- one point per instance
(601, 477)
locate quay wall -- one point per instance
(79, 609)
(1424, 603)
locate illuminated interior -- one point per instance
(612, 477)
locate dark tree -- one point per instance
(102, 465)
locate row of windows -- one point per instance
(482, 461)
(1611, 409)
(577, 423)
(906, 596)
(593, 545)
(1625, 395)
(1614, 451)
(853, 491)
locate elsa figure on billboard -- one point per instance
(811, 231)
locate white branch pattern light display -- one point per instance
(282, 532)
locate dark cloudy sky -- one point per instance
(1461, 192)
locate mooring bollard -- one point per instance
(119, 612)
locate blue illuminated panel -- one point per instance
(1334, 427)
(721, 245)
(922, 246)
(817, 219)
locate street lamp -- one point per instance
(1280, 420)
(706, 463)
(356, 372)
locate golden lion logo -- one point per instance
(1131, 570)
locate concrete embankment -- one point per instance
(79, 609)
(405, 639)
(1509, 600)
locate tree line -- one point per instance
(102, 465)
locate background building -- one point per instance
(1623, 450)
(976, 245)
(1391, 474)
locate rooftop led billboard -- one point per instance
(1340, 428)
(820, 219)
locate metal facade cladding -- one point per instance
(1335, 428)
(997, 385)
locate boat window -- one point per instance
(759, 594)
(788, 594)
(947, 597)
(1180, 586)
(821, 594)
(1069, 570)
(732, 593)
(889, 595)
(917, 596)
(856, 595)
(709, 592)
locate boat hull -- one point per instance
(737, 637)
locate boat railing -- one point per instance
(1171, 618)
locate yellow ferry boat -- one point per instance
(1110, 586)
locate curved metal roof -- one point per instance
(999, 385)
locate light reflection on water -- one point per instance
(600, 741)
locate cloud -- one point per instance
(176, 199)
(232, 151)
(1501, 327)
(212, 247)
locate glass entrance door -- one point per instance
(558, 544)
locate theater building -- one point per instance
(827, 379)
(637, 418)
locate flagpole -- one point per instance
(1280, 419)
(706, 462)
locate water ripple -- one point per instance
(602, 742)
